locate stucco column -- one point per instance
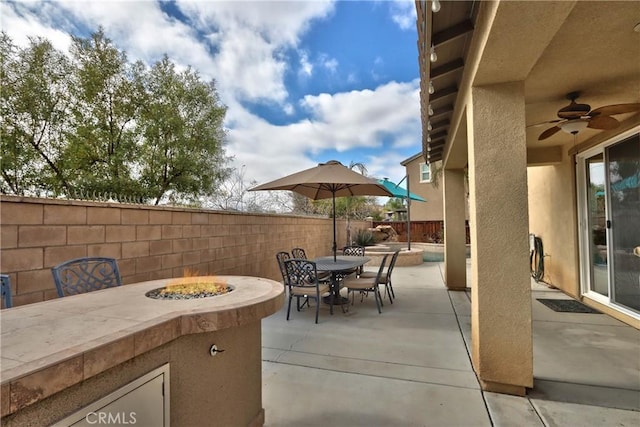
(455, 263)
(502, 348)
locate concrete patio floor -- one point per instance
(410, 365)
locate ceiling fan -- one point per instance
(575, 117)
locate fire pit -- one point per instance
(191, 288)
(120, 336)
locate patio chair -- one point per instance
(367, 284)
(385, 279)
(81, 275)
(354, 250)
(303, 283)
(298, 253)
(282, 257)
(6, 290)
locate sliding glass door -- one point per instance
(597, 224)
(623, 170)
(609, 183)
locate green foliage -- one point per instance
(183, 134)
(108, 98)
(364, 238)
(394, 203)
(97, 123)
(34, 105)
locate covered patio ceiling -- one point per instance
(554, 47)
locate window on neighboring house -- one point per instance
(425, 172)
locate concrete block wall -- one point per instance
(148, 242)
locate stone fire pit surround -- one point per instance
(100, 341)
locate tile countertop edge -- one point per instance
(124, 344)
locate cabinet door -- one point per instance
(143, 402)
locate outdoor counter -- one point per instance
(74, 342)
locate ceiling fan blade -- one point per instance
(609, 110)
(603, 122)
(547, 133)
(545, 123)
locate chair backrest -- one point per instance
(353, 250)
(6, 290)
(298, 253)
(383, 262)
(81, 275)
(282, 257)
(392, 263)
(301, 272)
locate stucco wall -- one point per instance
(148, 242)
(431, 210)
(226, 388)
(552, 217)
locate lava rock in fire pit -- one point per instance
(192, 288)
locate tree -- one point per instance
(34, 106)
(96, 124)
(183, 136)
(108, 95)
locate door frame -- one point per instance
(584, 262)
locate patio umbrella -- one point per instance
(328, 181)
(400, 192)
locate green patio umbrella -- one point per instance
(402, 193)
(398, 191)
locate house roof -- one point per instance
(411, 159)
(554, 47)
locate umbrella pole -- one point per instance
(335, 245)
(408, 217)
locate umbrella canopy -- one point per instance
(398, 191)
(328, 181)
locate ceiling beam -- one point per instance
(452, 33)
(438, 125)
(437, 112)
(448, 68)
(438, 135)
(439, 94)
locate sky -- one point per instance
(304, 81)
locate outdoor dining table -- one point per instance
(341, 264)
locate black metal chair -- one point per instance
(367, 284)
(298, 253)
(81, 275)
(6, 290)
(354, 250)
(282, 257)
(385, 279)
(304, 283)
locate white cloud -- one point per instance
(330, 64)
(343, 121)
(289, 109)
(306, 68)
(403, 13)
(252, 37)
(20, 21)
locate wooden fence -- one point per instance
(421, 231)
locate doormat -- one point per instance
(567, 306)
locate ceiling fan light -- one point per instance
(573, 126)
